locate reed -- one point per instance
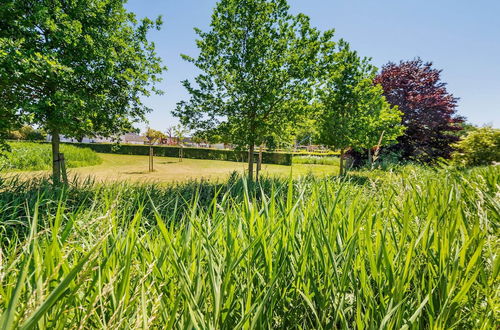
(418, 249)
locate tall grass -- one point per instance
(417, 250)
(38, 156)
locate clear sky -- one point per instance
(461, 37)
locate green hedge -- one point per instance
(196, 153)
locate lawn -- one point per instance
(135, 168)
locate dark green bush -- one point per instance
(195, 153)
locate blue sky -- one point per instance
(461, 37)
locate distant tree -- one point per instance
(153, 137)
(354, 111)
(429, 110)
(27, 133)
(257, 63)
(76, 68)
(480, 146)
(180, 132)
(170, 134)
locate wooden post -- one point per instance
(259, 164)
(150, 158)
(342, 161)
(63, 168)
(250, 162)
(56, 166)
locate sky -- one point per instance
(461, 37)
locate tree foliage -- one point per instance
(76, 68)
(479, 147)
(354, 112)
(429, 110)
(257, 63)
(27, 133)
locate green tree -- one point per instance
(27, 133)
(180, 132)
(480, 146)
(382, 122)
(153, 136)
(354, 112)
(76, 68)
(257, 63)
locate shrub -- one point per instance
(478, 147)
(38, 156)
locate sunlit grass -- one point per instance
(413, 250)
(29, 156)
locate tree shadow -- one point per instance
(137, 172)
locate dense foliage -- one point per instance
(354, 114)
(480, 146)
(429, 110)
(27, 133)
(76, 68)
(418, 249)
(37, 156)
(257, 64)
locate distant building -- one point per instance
(133, 138)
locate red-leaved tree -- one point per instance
(429, 110)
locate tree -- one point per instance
(76, 68)
(354, 112)
(429, 110)
(257, 63)
(479, 147)
(27, 133)
(180, 132)
(153, 136)
(383, 126)
(6, 125)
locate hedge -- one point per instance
(195, 153)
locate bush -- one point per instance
(478, 147)
(38, 156)
(195, 153)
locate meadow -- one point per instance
(134, 168)
(413, 248)
(31, 156)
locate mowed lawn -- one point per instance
(167, 169)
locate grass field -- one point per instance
(135, 168)
(26, 156)
(418, 249)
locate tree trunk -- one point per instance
(150, 158)
(56, 165)
(370, 158)
(342, 151)
(250, 162)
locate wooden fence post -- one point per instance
(62, 163)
